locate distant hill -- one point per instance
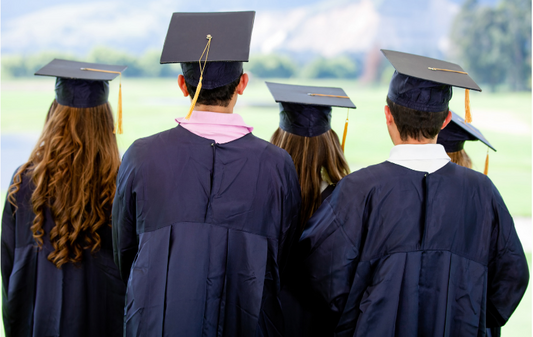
(302, 28)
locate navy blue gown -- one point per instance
(39, 299)
(397, 252)
(201, 233)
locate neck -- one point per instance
(412, 141)
(214, 108)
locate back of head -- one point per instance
(416, 124)
(312, 155)
(73, 169)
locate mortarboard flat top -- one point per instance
(186, 39)
(457, 132)
(300, 94)
(72, 70)
(418, 66)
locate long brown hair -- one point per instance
(314, 158)
(461, 158)
(73, 169)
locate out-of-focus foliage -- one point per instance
(271, 65)
(145, 66)
(494, 44)
(338, 67)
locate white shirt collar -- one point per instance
(425, 158)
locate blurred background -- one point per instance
(313, 42)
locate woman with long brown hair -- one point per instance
(305, 133)
(58, 275)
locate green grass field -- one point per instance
(151, 105)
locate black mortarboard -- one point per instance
(186, 43)
(454, 135)
(306, 111)
(82, 84)
(423, 83)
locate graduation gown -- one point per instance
(39, 299)
(397, 252)
(201, 233)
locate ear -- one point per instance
(242, 84)
(388, 115)
(182, 85)
(447, 120)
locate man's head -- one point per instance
(412, 125)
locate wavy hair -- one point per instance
(315, 158)
(73, 169)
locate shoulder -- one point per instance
(268, 153)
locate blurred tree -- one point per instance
(19, 65)
(150, 66)
(338, 67)
(111, 56)
(271, 65)
(494, 44)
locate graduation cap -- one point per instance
(454, 135)
(305, 110)
(210, 47)
(83, 84)
(425, 84)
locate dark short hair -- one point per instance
(416, 124)
(218, 96)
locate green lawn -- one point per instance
(151, 105)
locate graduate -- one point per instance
(416, 245)
(58, 275)
(454, 136)
(305, 133)
(205, 211)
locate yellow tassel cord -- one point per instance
(118, 125)
(345, 130)
(322, 95)
(486, 171)
(199, 87)
(468, 115)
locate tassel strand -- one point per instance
(468, 115)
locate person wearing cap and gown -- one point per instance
(58, 274)
(416, 245)
(305, 133)
(204, 212)
(454, 136)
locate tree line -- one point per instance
(147, 65)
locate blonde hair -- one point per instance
(461, 158)
(73, 169)
(311, 156)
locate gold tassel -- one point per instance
(119, 123)
(486, 171)
(345, 131)
(199, 87)
(468, 115)
(193, 103)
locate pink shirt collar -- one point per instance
(221, 127)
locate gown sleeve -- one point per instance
(328, 251)
(8, 253)
(124, 225)
(508, 270)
